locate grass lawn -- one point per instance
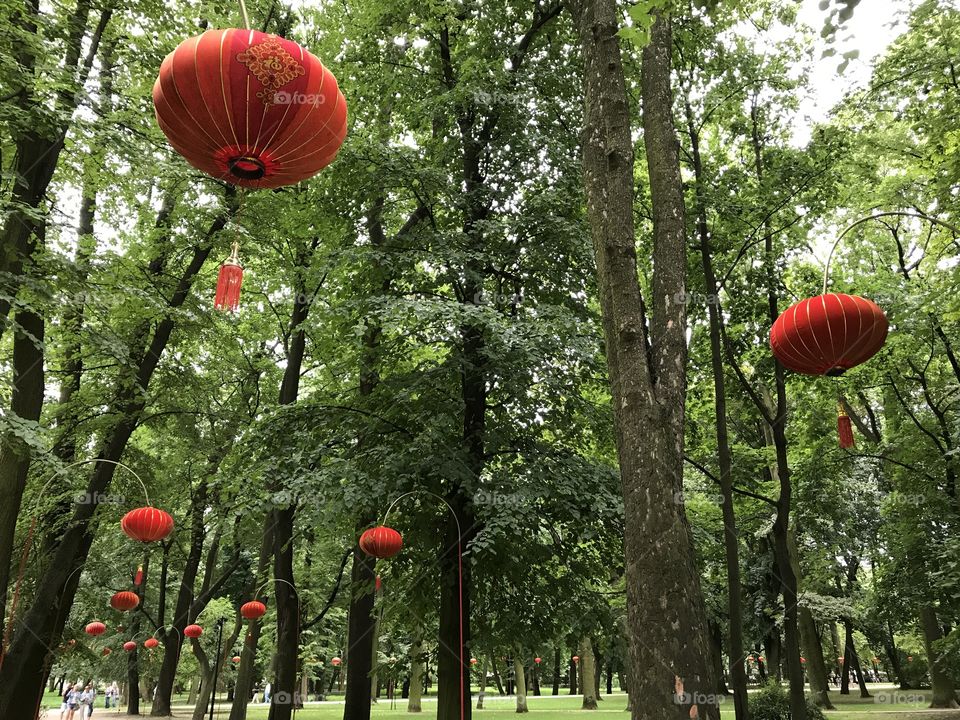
(888, 703)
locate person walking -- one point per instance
(73, 701)
(65, 704)
(87, 698)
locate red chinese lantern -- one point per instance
(147, 524)
(138, 576)
(236, 659)
(802, 659)
(473, 661)
(95, 628)
(538, 660)
(151, 643)
(576, 659)
(253, 610)
(381, 542)
(250, 108)
(827, 335)
(124, 600)
(130, 646)
(193, 631)
(761, 659)
(106, 651)
(336, 662)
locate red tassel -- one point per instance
(138, 578)
(844, 429)
(229, 282)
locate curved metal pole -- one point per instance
(877, 216)
(459, 574)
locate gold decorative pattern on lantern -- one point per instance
(273, 66)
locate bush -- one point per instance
(771, 702)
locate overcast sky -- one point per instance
(874, 25)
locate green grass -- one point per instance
(888, 703)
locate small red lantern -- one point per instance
(236, 659)
(761, 659)
(381, 542)
(802, 659)
(95, 628)
(473, 661)
(151, 643)
(377, 585)
(130, 646)
(250, 108)
(253, 610)
(124, 600)
(147, 524)
(193, 631)
(538, 660)
(828, 334)
(576, 659)
(336, 662)
(106, 651)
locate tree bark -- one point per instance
(520, 682)
(944, 691)
(666, 624)
(588, 666)
(815, 666)
(416, 676)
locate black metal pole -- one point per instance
(216, 667)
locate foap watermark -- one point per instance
(697, 698)
(86, 498)
(900, 698)
(298, 98)
(498, 499)
(694, 298)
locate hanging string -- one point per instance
(246, 18)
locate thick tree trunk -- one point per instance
(453, 676)
(416, 676)
(588, 665)
(360, 622)
(556, 672)
(815, 666)
(133, 664)
(944, 691)
(521, 683)
(574, 676)
(666, 624)
(15, 454)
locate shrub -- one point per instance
(771, 702)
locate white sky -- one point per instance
(874, 26)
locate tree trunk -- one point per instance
(556, 672)
(521, 683)
(483, 683)
(815, 666)
(133, 665)
(453, 676)
(416, 676)
(944, 691)
(666, 625)
(587, 664)
(572, 672)
(360, 622)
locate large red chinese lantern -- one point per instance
(253, 109)
(130, 646)
(250, 108)
(253, 610)
(827, 335)
(147, 524)
(381, 542)
(124, 600)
